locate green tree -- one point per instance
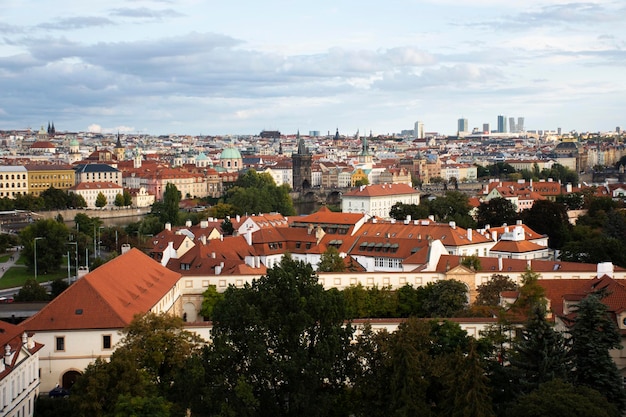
(548, 218)
(54, 199)
(593, 335)
(119, 200)
(472, 262)
(57, 287)
(401, 211)
(453, 206)
(489, 292)
(227, 227)
(105, 388)
(258, 193)
(32, 291)
(168, 209)
(158, 345)
(101, 200)
(467, 393)
(51, 244)
(210, 298)
(445, 298)
(282, 342)
(540, 354)
(128, 199)
(330, 261)
(76, 201)
(496, 212)
(222, 211)
(559, 399)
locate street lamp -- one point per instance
(100, 241)
(74, 243)
(36, 239)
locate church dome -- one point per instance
(230, 153)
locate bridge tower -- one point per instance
(301, 166)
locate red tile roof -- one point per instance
(108, 297)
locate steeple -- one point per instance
(337, 134)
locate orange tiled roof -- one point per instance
(108, 297)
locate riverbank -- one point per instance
(69, 215)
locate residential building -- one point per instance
(91, 190)
(13, 181)
(96, 172)
(19, 371)
(84, 322)
(377, 199)
(42, 176)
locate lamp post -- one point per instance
(100, 241)
(74, 243)
(36, 239)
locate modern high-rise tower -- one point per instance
(512, 127)
(502, 124)
(463, 126)
(419, 130)
(520, 124)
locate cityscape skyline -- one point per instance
(186, 67)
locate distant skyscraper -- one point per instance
(463, 126)
(520, 124)
(486, 128)
(419, 130)
(512, 127)
(502, 124)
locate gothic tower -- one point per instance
(119, 149)
(301, 166)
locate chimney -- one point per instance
(188, 223)
(213, 255)
(238, 218)
(605, 268)
(499, 263)
(568, 187)
(469, 234)
(168, 226)
(452, 225)
(431, 218)
(248, 236)
(518, 223)
(203, 239)
(218, 269)
(204, 224)
(494, 236)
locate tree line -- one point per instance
(284, 346)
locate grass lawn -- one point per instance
(17, 275)
(4, 258)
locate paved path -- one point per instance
(4, 266)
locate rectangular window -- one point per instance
(60, 343)
(106, 341)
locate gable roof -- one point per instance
(108, 297)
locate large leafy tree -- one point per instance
(496, 212)
(32, 291)
(444, 298)
(258, 193)
(167, 209)
(54, 198)
(51, 244)
(101, 200)
(489, 292)
(108, 388)
(452, 206)
(400, 211)
(550, 218)
(559, 399)
(158, 344)
(279, 346)
(330, 261)
(593, 335)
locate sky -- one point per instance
(202, 67)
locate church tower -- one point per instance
(301, 166)
(365, 157)
(119, 149)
